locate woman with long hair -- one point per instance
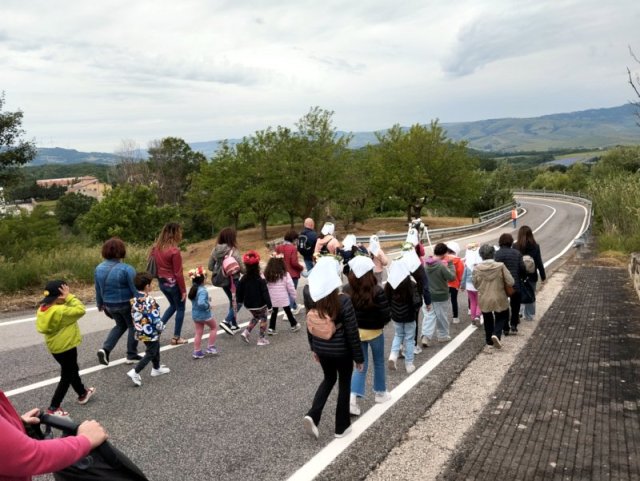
(372, 314)
(528, 246)
(168, 259)
(227, 246)
(337, 354)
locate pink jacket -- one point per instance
(280, 291)
(22, 457)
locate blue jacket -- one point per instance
(113, 281)
(312, 238)
(200, 308)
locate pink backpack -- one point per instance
(230, 266)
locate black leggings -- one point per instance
(69, 376)
(274, 317)
(453, 293)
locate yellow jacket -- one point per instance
(59, 324)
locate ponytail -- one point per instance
(197, 282)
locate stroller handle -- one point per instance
(64, 424)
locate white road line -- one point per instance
(100, 367)
(331, 451)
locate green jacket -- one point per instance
(439, 276)
(59, 324)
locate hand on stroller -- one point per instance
(31, 417)
(94, 432)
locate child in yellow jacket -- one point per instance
(57, 318)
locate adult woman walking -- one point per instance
(226, 246)
(528, 246)
(290, 252)
(490, 278)
(513, 260)
(166, 252)
(114, 286)
(372, 314)
(337, 354)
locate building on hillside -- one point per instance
(63, 181)
(90, 187)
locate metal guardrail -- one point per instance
(577, 197)
(496, 215)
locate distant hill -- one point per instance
(593, 128)
(58, 155)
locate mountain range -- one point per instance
(594, 128)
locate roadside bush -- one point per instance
(71, 262)
(28, 232)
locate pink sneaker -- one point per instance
(263, 341)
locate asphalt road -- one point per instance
(238, 416)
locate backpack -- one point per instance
(230, 266)
(303, 245)
(319, 326)
(529, 264)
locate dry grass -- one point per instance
(198, 253)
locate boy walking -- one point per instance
(57, 318)
(440, 271)
(148, 325)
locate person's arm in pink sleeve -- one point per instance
(290, 287)
(22, 456)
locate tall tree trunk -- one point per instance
(409, 212)
(263, 228)
(292, 220)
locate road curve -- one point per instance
(238, 416)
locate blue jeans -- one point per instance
(437, 316)
(292, 300)
(122, 317)
(530, 309)
(405, 332)
(308, 263)
(377, 352)
(176, 305)
(231, 316)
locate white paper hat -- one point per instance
(411, 260)
(398, 272)
(348, 242)
(374, 245)
(324, 277)
(454, 246)
(328, 228)
(360, 265)
(412, 236)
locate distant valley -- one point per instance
(593, 128)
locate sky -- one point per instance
(90, 75)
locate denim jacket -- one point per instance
(114, 284)
(200, 309)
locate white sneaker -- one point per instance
(393, 362)
(496, 342)
(310, 427)
(296, 310)
(410, 367)
(382, 397)
(159, 372)
(425, 341)
(417, 349)
(344, 433)
(354, 409)
(456, 320)
(135, 377)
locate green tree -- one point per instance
(71, 206)
(619, 160)
(172, 163)
(14, 150)
(421, 166)
(129, 212)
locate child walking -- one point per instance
(57, 318)
(254, 295)
(148, 325)
(201, 313)
(405, 300)
(281, 290)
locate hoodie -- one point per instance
(489, 278)
(439, 275)
(218, 254)
(59, 324)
